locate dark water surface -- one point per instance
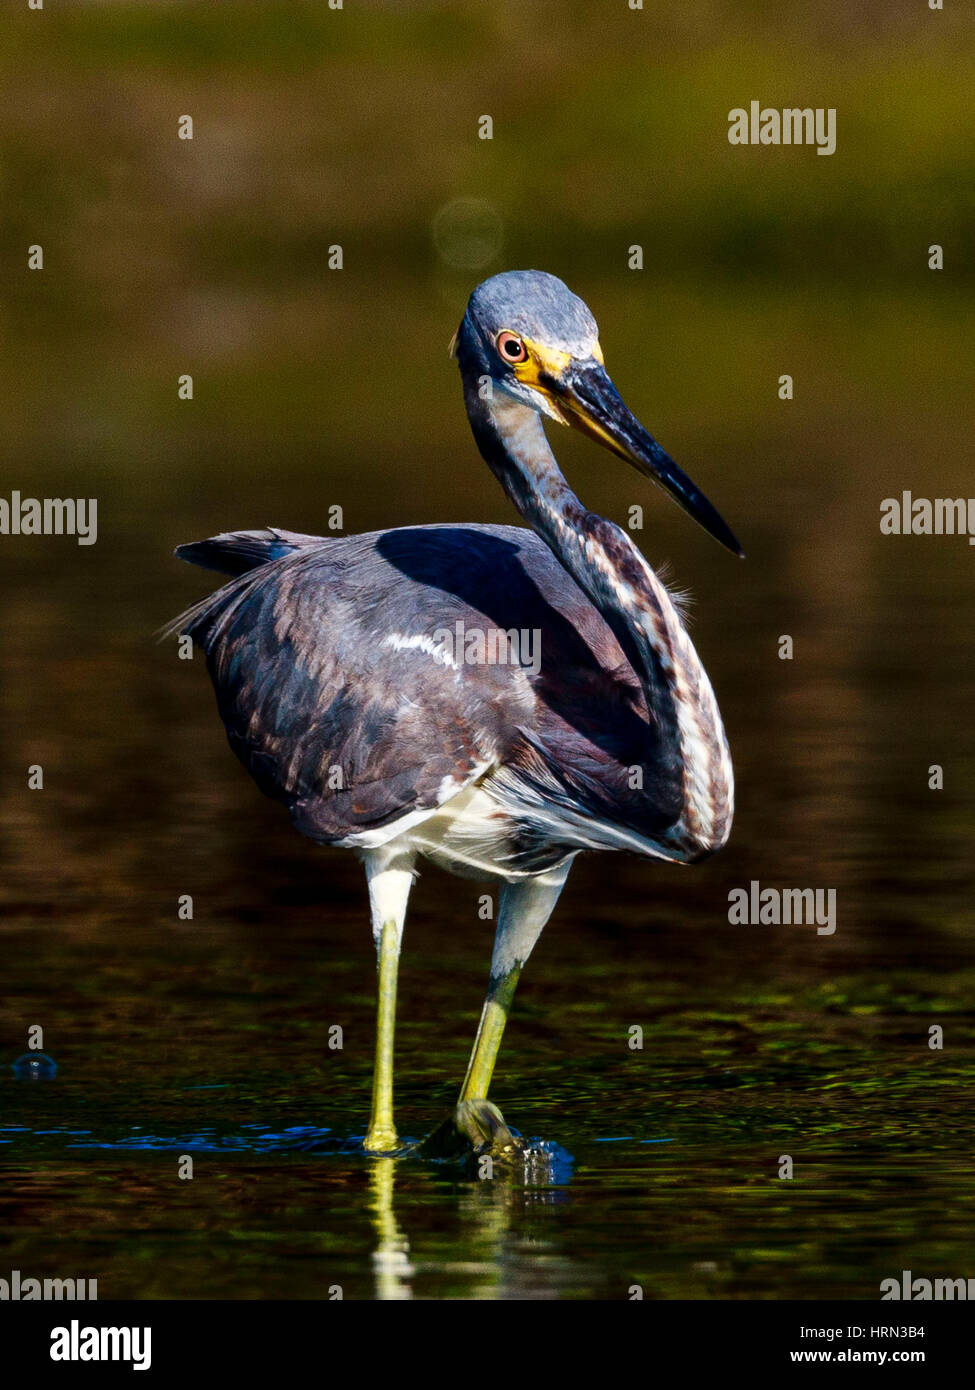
(210, 1037)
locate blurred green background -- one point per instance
(316, 387)
(358, 127)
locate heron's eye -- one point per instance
(511, 347)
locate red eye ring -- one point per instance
(511, 347)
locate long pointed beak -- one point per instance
(588, 400)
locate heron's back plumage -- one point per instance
(340, 704)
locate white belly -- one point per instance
(470, 835)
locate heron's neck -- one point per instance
(620, 584)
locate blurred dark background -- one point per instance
(316, 387)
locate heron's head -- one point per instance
(539, 345)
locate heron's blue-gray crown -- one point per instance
(536, 305)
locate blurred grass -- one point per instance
(315, 127)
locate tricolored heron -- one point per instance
(343, 696)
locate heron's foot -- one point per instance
(381, 1140)
(475, 1128)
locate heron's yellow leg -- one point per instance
(390, 876)
(381, 1136)
(490, 1031)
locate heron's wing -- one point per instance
(334, 696)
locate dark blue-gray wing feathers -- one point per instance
(332, 694)
(324, 700)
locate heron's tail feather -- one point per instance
(236, 552)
